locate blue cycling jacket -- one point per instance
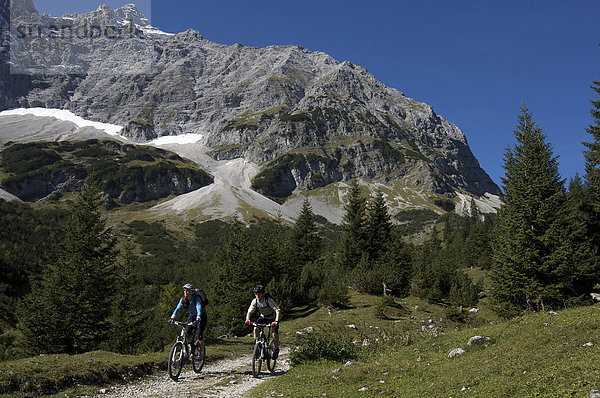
(195, 307)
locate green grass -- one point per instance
(73, 375)
(538, 355)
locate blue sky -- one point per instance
(473, 61)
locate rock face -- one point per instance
(307, 118)
(125, 173)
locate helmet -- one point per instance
(189, 286)
(258, 289)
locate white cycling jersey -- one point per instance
(266, 307)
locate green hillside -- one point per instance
(539, 355)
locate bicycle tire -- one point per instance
(256, 359)
(271, 362)
(197, 363)
(176, 358)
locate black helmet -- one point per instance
(189, 286)
(258, 289)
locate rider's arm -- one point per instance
(273, 305)
(179, 306)
(251, 309)
(198, 307)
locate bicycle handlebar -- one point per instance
(183, 323)
(259, 325)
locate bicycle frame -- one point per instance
(262, 350)
(182, 350)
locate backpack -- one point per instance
(200, 293)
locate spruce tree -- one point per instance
(306, 236)
(353, 243)
(67, 310)
(592, 177)
(378, 227)
(532, 268)
(234, 276)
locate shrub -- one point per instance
(327, 345)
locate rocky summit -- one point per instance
(307, 119)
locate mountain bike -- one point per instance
(263, 350)
(181, 350)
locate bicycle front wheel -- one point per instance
(270, 360)
(256, 359)
(175, 360)
(198, 358)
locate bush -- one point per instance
(326, 345)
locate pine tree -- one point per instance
(234, 276)
(353, 242)
(592, 177)
(307, 236)
(378, 227)
(127, 318)
(532, 268)
(67, 310)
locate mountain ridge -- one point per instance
(266, 105)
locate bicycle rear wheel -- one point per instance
(175, 363)
(270, 360)
(256, 359)
(198, 358)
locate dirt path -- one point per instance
(226, 378)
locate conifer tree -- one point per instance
(67, 310)
(532, 265)
(127, 319)
(234, 276)
(307, 236)
(378, 227)
(592, 177)
(353, 242)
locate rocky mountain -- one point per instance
(306, 119)
(125, 173)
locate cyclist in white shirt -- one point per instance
(269, 315)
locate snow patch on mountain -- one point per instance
(64, 115)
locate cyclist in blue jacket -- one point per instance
(196, 314)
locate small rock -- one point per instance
(336, 370)
(416, 307)
(334, 377)
(463, 389)
(309, 330)
(233, 382)
(102, 391)
(474, 310)
(553, 313)
(455, 352)
(381, 381)
(349, 363)
(386, 373)
(590, 344)
(595, 394)
(299, 333)
(362, 389)
(478, 340)
(352, 327)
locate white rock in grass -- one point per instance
(478, 340)
(456, 352)
(309, 330)
(362, 389)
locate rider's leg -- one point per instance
(255, 334)
(200, 332)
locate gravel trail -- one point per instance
(228, 378)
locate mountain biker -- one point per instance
(269, 314)
(196, 314)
